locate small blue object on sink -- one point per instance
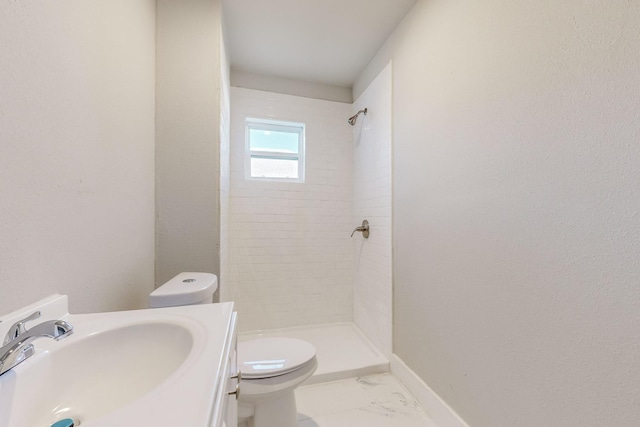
(67, 422)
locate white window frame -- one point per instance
(276, 126)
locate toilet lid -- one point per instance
(270, 357)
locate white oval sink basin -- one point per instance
(97, 373)
(162, 367)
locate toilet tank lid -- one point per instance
(184, 289)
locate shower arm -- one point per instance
(352, 120)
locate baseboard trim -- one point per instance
(439, 411)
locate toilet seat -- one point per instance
(273, 356)
(272, 368)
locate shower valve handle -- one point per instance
(364, 229)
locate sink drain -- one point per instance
(67, 422)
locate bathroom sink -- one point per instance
(103, 371)
(126, 368)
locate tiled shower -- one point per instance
(292, 261)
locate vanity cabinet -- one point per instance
(226, 401)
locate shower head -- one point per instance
(352, 119)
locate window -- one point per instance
(274, 150)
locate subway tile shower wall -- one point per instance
(372, 201)
(290, 254)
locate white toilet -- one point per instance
(271, 368)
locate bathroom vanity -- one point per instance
(158, 367)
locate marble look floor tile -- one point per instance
(364, 418)
(372, 401)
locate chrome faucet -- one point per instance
(17, 345)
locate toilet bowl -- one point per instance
(271, 368)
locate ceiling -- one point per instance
(318, 41)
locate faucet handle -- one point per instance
(18, 328)
(364, 229)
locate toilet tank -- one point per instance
(185, 289)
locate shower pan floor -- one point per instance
(343, 351)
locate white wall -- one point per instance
(291, 87)
(372, 304)
(225, 170)
(516, 205)
(77, 144)
(291, 258)
(188, 137)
